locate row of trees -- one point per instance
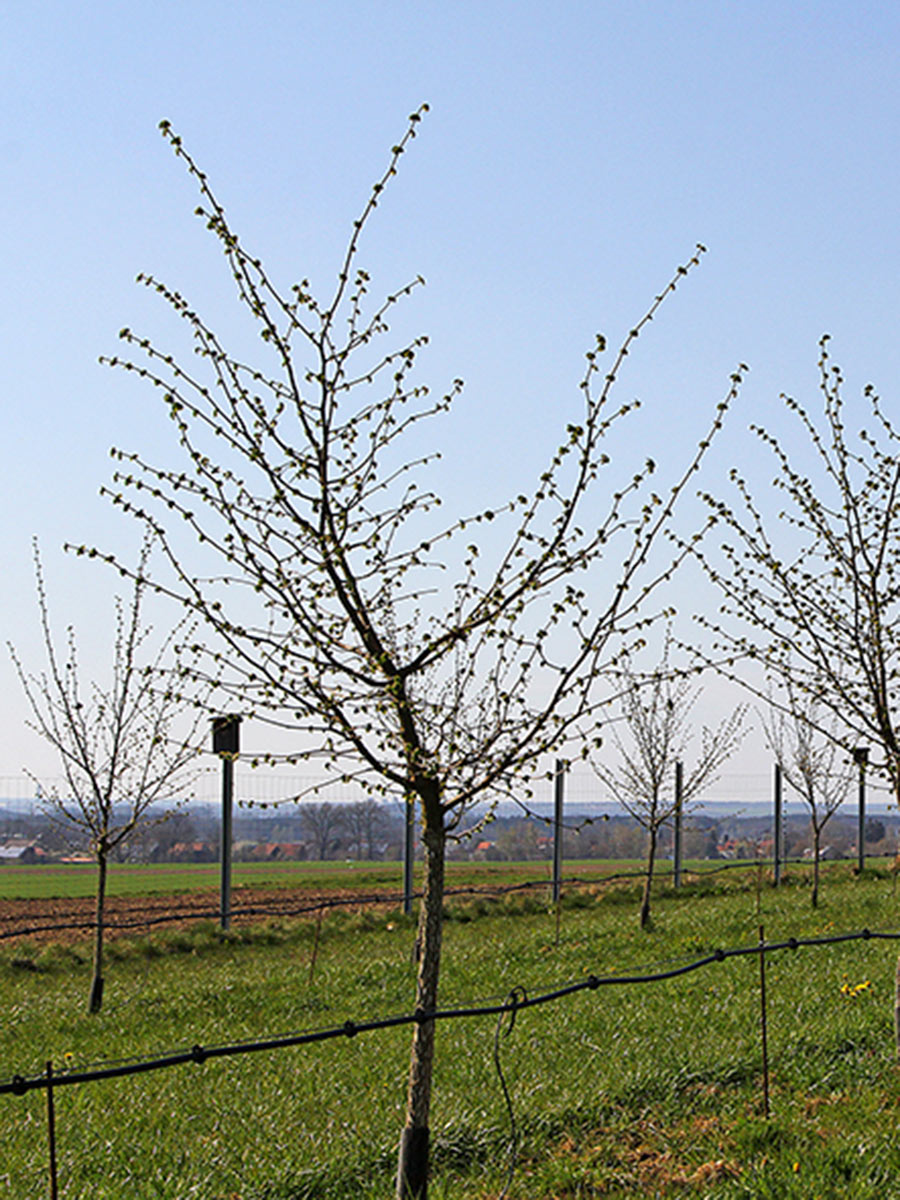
(447, 660)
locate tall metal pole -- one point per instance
(227, 839)
(227, 744)
(558, 789)
(861, 757)
(776, 850)
(409, 853)
(676, 849)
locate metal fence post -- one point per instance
(51, 1132)
(779, 836)
(764, 1019)
(676, 849)
(409, 853)
(558, 789)
(227, 744)
(861, 757)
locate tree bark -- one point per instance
(412, 1168)
(817, 839)
(648, 879)
(96, 998)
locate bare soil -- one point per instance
(70, 920)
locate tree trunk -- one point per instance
(648, 879)
(96, 998)
(817, 839)
(412, 1168)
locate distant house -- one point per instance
(21, 850)
(278, 852)
(487, 851)
(197, 852)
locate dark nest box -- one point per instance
(226, 735)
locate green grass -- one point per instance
(650, 1089)
(129, 879)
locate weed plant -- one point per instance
(650, 1089)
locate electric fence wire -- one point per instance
(20, 1084)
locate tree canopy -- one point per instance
(812, 594)
(396, 643)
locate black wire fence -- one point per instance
(518, 1001)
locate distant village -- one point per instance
(372, 831)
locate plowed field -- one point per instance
(69, 920)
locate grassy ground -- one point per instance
(652, 1089)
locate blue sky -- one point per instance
(573, 155)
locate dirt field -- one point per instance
(70, 920)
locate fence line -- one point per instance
(297, 909)
(517, 1001)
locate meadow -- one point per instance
(134, 879)
(647, 1088)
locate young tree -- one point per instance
(655, 711)
(812, 592)
(124, 749)
(812, 765)
(297, 482)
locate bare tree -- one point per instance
(323, 822)
(298, 486)
(655, 711)
(812, 592)
(366, 823)
(814, 766)
(124, 749)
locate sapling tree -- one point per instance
(814, 765)
(410, 653)
(655, 716)
(811, 588)
(125, 749)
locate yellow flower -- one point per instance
(851, 990)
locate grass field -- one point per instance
(652, 1089)
(127, 879)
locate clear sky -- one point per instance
(573, 155)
